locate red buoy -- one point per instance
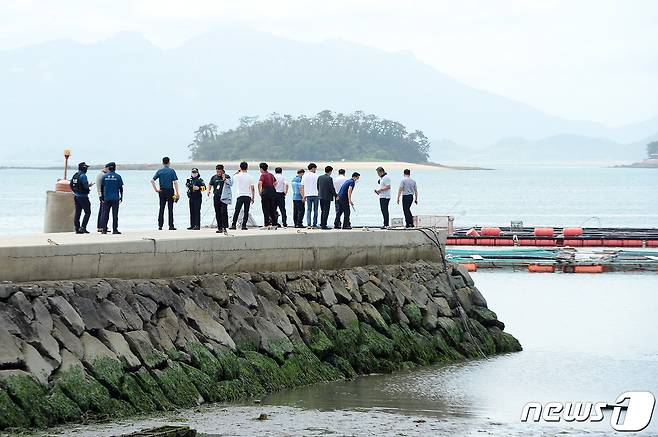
(572, 232)
(544, 232)
(490, 232)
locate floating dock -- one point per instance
(559, 259)
(555, 237)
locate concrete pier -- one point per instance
(158, 254)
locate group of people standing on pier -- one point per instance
(312, 196)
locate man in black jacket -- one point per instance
(326, 194)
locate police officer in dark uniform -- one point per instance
(195, 187)
(80, 186)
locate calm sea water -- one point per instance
(537, 196)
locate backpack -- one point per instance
(76, 186)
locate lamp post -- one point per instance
(67, 154)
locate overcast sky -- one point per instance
(580, 59)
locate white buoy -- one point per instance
(60, 211)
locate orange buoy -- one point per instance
(588, 269)
(471, 267)
(538, 268)
(490, 232)
(572, 232)
(544, 232)
(472, 233)
(63, 186)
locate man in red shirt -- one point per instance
(267, 190)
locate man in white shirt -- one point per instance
(281, 191)
(384, 193)
(243, 184)
(310, 194)
(338, 184)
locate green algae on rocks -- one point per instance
(114, 348)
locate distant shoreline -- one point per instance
(286, 165)
(647, 163)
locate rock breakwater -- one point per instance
(116, 347)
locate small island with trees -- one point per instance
(327, 136)
(650, 162)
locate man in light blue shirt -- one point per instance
(298, 199)
(168, 182)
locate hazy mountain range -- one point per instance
(127, 100)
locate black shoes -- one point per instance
(172, 228)
(116, 232)
(232, 228)
(347, 227)
(159, 228)
(191, 228)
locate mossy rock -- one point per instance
(267, 371)
(412, 346)
(11, 415)
(206, 386)
(504, 342)
(31, 397)
(446, 352)
(62, 408)
(155, 359)
(318, 342)
(151, 387)
(177, 386)
(343, 365)
(327, 325)
(131, 390)
(249, 379)
(229, 363)
(387, 313)
(379, 344)
(414, 315)
(231, 390)
(346, 341)
(205, 361)
(487, 343)
(109, 372)
(88, 394)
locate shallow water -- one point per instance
(538, 196)
(585, 338)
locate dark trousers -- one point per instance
(325, 208)
(221, 213)
(298, 213)
(383, 205)
(166, 198)
(107, 206)
(240, 202)
(337, 219)
(195, 210)
(281, 205)
(99, 219)
(268, 202)
(81, 204)
(407, 200)
(344, 210)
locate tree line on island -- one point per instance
(652, 149)
(327, 136)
